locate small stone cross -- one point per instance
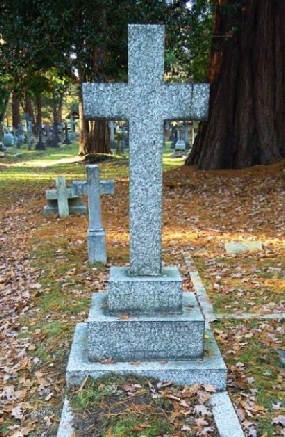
(94, 188)
(146, 101)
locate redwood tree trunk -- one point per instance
(247, 77)
(98, 138)
(28, 108)
(16, 120)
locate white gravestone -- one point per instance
(96, 235)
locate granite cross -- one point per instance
(63, 201)
(94, 188)
(146, 101)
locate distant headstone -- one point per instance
(194, 130)
(9, 139)
(236, 247)
(113, 143)
(66, 139)
(180, 146)
(63, 201)
(72, 134)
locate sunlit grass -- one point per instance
(44, 166)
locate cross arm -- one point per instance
(79, 188)
(105, 100)
(185, 101)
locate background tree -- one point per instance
(247, 76)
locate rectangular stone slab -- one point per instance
(209, 370)
(141, 338)
(145, 294)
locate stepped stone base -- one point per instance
(143, 338)
(209, 370)
(76, 206)
(145, 294)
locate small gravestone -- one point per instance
(94, 188)
(8, 140)
(63, 201)
(144, 317)
(66, 139)
(72, 135)
(180, 146)
(236, 247)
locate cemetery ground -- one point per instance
(46, 284)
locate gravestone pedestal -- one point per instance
(146, 325)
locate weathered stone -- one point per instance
(63, 201)
(146, 101)
(142, 338)
(236, 247)
(94, 188)
(145, 294)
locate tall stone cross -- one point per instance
(146, 101)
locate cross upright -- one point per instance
(146, 101)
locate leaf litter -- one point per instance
(46, 284)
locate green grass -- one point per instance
(117, 414)
(246, 342)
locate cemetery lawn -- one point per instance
(46, 284)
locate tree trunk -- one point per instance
(16, 119)
(98, 137)
(40, 145)
(28, 108)
(247, 76)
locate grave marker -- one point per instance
(63, 201)
(146, 101)
(145, 316)
(94, 188)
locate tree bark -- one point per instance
(28, 108)
(247, 99)
(98, 138)
(16, 119)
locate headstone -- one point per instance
(144, 316)
(113, 143)
(195, 126)
(66, 139)
(30, 138)
(185, 135)
(8, 139)
(180, 146)
(40, 145)
(96, 236)
(63, 201)
(54, 140)
(19, 136)
(72, 135)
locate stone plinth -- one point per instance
(96, 243)
(209, 370)
(145, 338)
(145, 294)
